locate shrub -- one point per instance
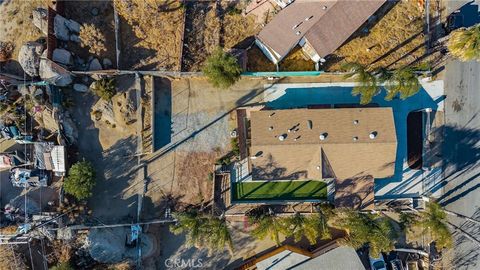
(92, 38)
(235, 146)
(464, 43)
(6, 49)
(80, 180)
(104, 88)
(221, 69)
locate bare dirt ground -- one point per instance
(111, 151)
(199, 134)
(17, 27)
(83, 12)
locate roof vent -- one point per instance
(308, 18)
(310, 124)
(355, 122)
(298, 33)
(355, 138)
(270, 128)
(373, 135)
(324, 7)
(282, 137)
(323, 136)
(272, 114)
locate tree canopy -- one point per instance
(311, 227)
(367, 86)
(364, 228)
(464, 43)
(203, 231)
(80, 180)
(434, 221)
(402, 81)
(221, 69)
(105, 88)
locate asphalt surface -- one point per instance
(462, 152)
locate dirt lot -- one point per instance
(151, 34)
(396, 40)
(16, 27)
(197, 127)
(84, 12)
(210, 24)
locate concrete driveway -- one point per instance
(462, 147)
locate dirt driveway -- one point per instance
(194, 132)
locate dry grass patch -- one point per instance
(238, 27)
(396, 40)
(158, 24)
(16, 25)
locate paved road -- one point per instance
(462, 153)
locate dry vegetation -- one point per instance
(15, 23)
(92, 38)
(158, 24)
(294, 61)
(237, 27)
(395, 40)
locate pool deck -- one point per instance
(405, 183)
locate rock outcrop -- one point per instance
(62, 56)
(39, 19)
(65, 29)
(54, 73)
(29, 57)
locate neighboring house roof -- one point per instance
(330, 24)
(290, 257)
(281, 257)
(337, 156)
(337, 259)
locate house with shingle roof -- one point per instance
(344, 147)
(318, 26)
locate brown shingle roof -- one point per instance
(356, 193)
(308, 157)
(327, 29)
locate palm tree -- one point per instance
(218, 234)
(190, 223)
(269, 225)
(434, 221)
(364, 228)
(203, 231)
(464, 43)
(366, 81)
(402, 81)
(312, 227)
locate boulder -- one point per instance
(62, 56)
(69, 128)
(75, 38)
(54, 74)
(60, 28)
(72, 26)
(107, 63)
(29, 57)
(39, 19)
(80, 87)
(106, 109)
(94, 65)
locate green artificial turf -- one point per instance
(280, 190)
